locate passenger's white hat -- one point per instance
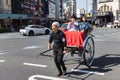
(57, 24)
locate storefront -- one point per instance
(13, 16)
(8, 20)
(103, 18)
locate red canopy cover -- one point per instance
(75, 38)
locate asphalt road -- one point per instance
(19, 61)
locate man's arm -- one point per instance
(49, 46)
(64, 41)
(68, 26)
(50, 41)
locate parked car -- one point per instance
(116, 24)
(109, 25)
(31, 30)
(64, 27)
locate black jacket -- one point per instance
(58, 39)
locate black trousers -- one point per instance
(58, 59)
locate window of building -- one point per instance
(101, 8)
(6, 2)
(107, 8)
(104, 7)
(111, 8)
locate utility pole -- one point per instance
(61, 7)
(86, 6)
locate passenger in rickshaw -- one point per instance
(73, 24)
(84, 26)
(76, 38)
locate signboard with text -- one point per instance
(105, 1)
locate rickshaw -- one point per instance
(82, 44)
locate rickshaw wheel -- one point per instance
(88, 51)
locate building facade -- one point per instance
(20, 12)
(33, 8)
(69, 8)
(5, 6)
(52, 9)
(94, 7)
(74, 7)
(107, 11)
(58, 9)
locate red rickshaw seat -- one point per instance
(75, 38)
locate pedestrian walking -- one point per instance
(59, 47)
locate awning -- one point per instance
(107, 13)
(37, 18)
(13, 16)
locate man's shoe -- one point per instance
(64, 71)
(60, 74)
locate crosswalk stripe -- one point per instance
(44, 77)
(35, 65)
(1, 53)
(2, 61)
(88, 72)
(33, 47)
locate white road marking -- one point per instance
(99, 39)
(2, 61)
(35, 65)
(44, 77)
(106, 34)
(1, 53)
(33, 47)
(88, 72)
(43, 37)
(98, 36)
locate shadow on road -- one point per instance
(106, 61)
(101, 64)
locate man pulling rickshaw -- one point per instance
(71, 41)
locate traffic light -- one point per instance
(88, 14)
